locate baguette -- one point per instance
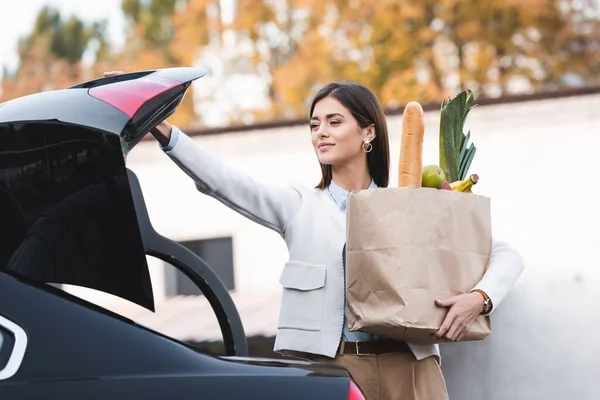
(410, 168)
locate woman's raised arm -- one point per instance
(272, 206)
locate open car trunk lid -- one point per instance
(66, 207)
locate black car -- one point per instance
(72, 213)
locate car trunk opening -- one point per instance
(67, 211)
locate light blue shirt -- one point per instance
(339, 196)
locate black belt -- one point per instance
(374, 347)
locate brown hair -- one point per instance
(365, 108)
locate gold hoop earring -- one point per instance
(367, 147)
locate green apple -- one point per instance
(433, 177)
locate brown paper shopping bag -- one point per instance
(407, 247)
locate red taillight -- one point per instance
(354, 392)
(129, 96)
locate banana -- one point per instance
(466, 185)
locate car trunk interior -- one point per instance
(67, 210)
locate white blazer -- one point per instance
(314, 229)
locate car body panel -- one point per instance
(213, 387)
(78, 349)
(64, 106)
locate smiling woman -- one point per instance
(350, 139)
(341, 127)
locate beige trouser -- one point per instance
(394, 376)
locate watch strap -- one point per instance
(487, 302)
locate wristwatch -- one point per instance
(487, 302)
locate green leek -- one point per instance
(455, 154)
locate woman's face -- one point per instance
(336, 136)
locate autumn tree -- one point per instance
(568, 42)
(287, 48)
(538, 43)
(150, 32)
(420, 50)
(430, 49)
(389, 46)
(206, 36)
(50, 56)
(198, 23)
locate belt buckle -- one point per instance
(358, 353)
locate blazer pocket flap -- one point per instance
(303, 276)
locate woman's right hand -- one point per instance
(162, 132)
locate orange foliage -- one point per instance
(402, 49)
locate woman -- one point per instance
(349, 136)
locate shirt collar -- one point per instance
(338, 194)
